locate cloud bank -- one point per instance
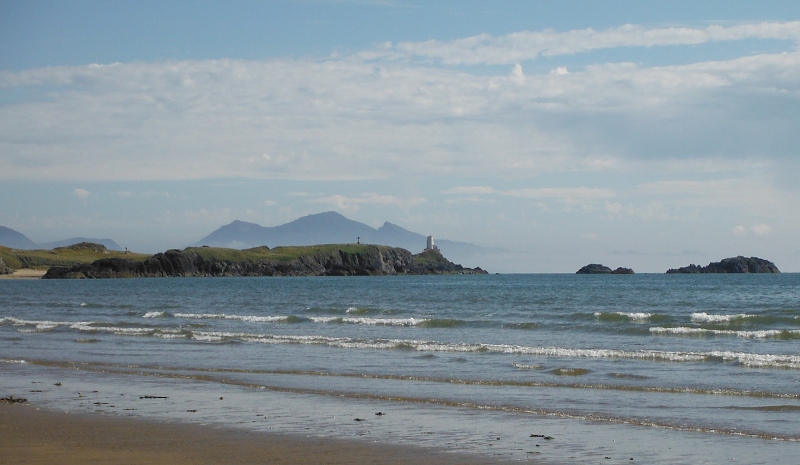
(389, 112)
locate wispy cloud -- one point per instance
(141, 194)
(583, 197)
(755, 230)
(354, 203)
(529, 45)
(80, 193)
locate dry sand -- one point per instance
(24, 273)
(32, 436)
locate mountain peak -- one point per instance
(326, 228)
(15, 239)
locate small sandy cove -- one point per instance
(24, 273)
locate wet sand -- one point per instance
(32, 436)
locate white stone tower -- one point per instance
(431, 245)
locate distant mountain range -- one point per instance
(17, 240)
(332, 228)
(321, 228)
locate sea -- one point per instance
(542, 368)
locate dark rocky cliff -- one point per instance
(730, 265)
(4, 269)
(596, 268)
(317, 261)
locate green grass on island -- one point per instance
(429, 256)
(77, 254)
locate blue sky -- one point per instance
(641, 134)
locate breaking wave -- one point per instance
(756, 334)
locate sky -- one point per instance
(648, 135)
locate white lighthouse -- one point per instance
(431, 245)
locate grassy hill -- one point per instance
(77, 254)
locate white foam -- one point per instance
(384, 321)
(34, 326)
(746, 359)
(225, 316)
(760, 334)
(703, 317)
(326, 319)
(636, 316)
(155, 315)
(315, 319)
(40, 325)
(524, 366)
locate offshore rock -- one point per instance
(361, 260)
(596, 268)
(738, 264)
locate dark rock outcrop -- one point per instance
(730, 265)
(366, 261)
(4, 269)
(433, 262)
(596, 268)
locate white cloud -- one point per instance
(82, 194)
(567, 194)
(756, 230)
(582, 197)
(205, 216)
(761, 229)
(529, 45)
(562, 193)
(754, 193)
(465, 190)
(614, 208)
(352, 119)
(517, 76)
(143, 194)
(354, 204)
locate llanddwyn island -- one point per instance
(88, 260)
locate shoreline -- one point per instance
(37, 436)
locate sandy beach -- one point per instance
(24, 273)
(32, 436)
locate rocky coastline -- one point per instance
(346, 260)
(738, 264)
